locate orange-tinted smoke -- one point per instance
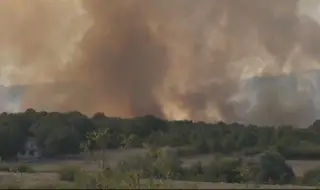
(174, 59)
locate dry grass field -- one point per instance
(301, 166)
(114, 156)
(46, 172)
(47, 180)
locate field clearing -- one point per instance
(47, 177)
(52, 165)
(27, 180)
(208, 185)
(301, 166)
(114, 156)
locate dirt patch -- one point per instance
(45, 179)
(28, 179)
(301, 166)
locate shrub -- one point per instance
(133, 141)
(134, 163)
(68, 173)
(194, 172)
(273, 167)
(227, 169)
(167, 163)
(159, 163)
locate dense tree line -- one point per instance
(64, 133)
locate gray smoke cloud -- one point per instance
(251, 61)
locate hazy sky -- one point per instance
(185, 59)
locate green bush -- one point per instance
(134, 163)
(23, 168)
(158, 163)
(226, 169)
(68, 173)
(273, 168)
(167, 163)
(133, 141)
(194, 172)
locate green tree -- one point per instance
(273, 168)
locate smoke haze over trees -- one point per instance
(247, 61)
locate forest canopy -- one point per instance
(53, 130)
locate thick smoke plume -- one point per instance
(211, 60)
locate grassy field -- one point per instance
(301, 166)
(46, 171)
(48, 180)
(114, 156)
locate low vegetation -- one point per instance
(21, 168)
(243, 154)
(68, 173)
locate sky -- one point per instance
(249, 61)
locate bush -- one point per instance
(273, 168)
(158, 163)
(135, 163)
(167, 163)
(133, 141)
(68, 173)
(194, 172)
(23, 168)
(227, 169)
